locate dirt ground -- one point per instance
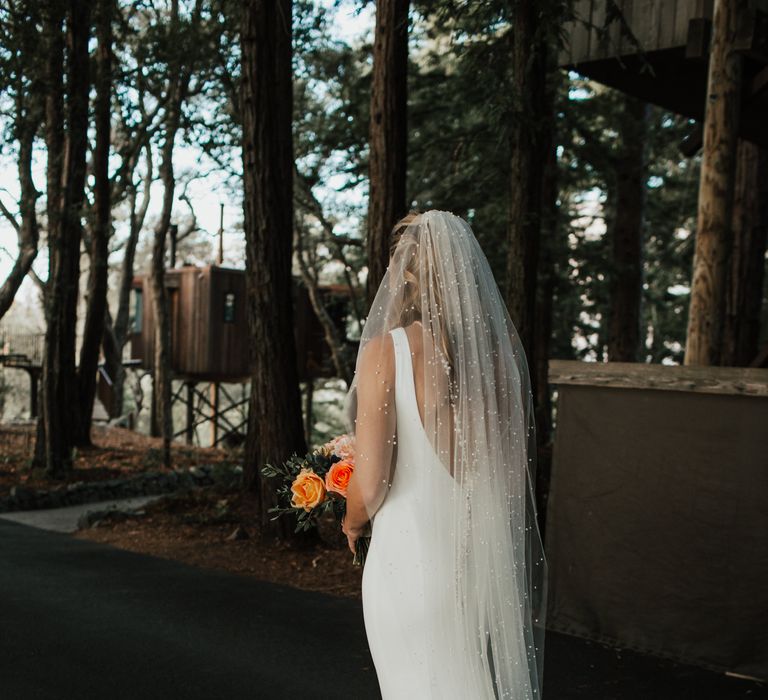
(201, 528)
(193, 527)
(116, 453)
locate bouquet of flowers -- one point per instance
(316, 484)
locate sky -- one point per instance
(206, 193)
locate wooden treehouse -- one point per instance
(209, 340)
(657, 50)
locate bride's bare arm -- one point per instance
(375, 429)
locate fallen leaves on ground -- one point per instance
(196, 528)
(116, 453)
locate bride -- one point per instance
(454, 582)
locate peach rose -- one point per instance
(338, 476)
(308, 490)
(343, 447)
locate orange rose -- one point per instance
(338, 476)
(308, 490)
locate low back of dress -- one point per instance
(409, 580)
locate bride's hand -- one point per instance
(353, 534)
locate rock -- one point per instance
(240, 533)
(19, 493)
(197, 474)
(84, 521)
(94, 518)
(186, 480)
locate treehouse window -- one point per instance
(138, 310)
(229, 307)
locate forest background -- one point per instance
(168, 88)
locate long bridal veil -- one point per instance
(477, 413)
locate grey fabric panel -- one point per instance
(657, 526)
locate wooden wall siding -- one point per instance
(656, 24)
(203, 345)
(229, 347)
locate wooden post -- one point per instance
(220, 258)
(215, 418)
(190, 412)
(713, 235)
(154, 423)
(34, 375)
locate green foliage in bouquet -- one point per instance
(315, 485)
(287, 474)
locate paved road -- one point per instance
(80, 620)
(66, 519)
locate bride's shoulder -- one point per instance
(377, 359)
(379, 347)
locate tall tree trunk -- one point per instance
(27, 229)
(28, 96)
(627, 235)
(178, 84)
(275, 427)
(65, 231)
(543, 336)
(530, 143)
(388, 135)
(161, 365)
(116, 335)
(744, 294)
(99, 252)
(113, 364)
(713, 235)
(49, 448)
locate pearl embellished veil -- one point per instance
(477, 413)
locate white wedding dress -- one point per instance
(408, 584)
(454, 586)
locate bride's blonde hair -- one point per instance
(411, 309)
(397, 230)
